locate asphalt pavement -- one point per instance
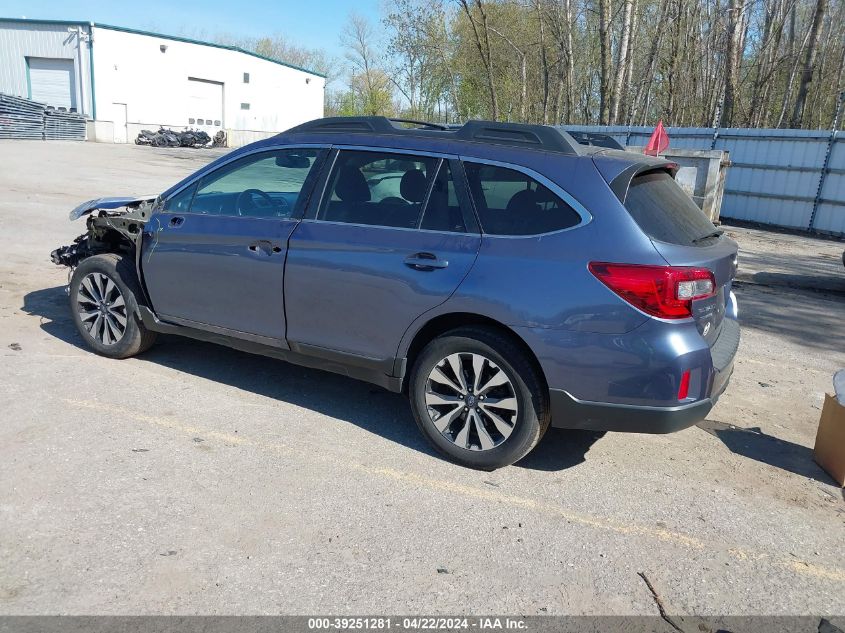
(196, 479)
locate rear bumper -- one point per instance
(711, 371)
(571, 413)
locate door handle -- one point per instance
(176, 221)
(425, 261)
(264, 246)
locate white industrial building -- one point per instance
(125, 80)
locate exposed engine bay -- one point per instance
(114, 226)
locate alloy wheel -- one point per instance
(471, 401)
(101, 308)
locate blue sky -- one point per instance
(311, 23)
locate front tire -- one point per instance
(104, 304)
(478, 399)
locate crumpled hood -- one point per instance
(107, 203)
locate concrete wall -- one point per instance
(131, 69)
(99, 131)
(19, 40)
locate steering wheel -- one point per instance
(269, 203)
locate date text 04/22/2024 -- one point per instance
(417, 623)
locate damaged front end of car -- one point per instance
(114, 225)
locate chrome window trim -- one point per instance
(382, 226)
(393, 150)
(586, 216)
(232, 159)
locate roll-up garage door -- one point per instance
(205, 105)
(51, 81)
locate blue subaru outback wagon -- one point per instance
(504, 276)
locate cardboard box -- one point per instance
(829, 451)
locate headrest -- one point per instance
(413, 185)
(525, 200)
(352, 186)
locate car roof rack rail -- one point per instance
(596, 139)
(426, 125)
(527, 135)
(345, 124)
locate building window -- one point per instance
(246, 78)
(244, 106)
(191, 121)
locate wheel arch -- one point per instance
(443, 323)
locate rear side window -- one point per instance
(378, 189)
(664, 212)
(510, 202)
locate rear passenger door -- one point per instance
(392, 238)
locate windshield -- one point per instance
(665, 212)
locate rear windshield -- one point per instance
(665, 212)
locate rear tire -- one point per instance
(465, 418)
(104, 304)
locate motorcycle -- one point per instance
(187, 138)
(202, 138)
(165, 137)
(145, 137)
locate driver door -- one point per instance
(213, 256)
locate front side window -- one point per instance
(181, 202)
(510, 202)
(377, 188)
(265, 185)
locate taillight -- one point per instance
(683, 387)
(663, 291)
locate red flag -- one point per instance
(658, 142)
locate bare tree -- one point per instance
(605, 50)
(414, 64)
(482, 41)
(544, 62)
(523, 71)
(809, 63)
(622, 61)
(643, 98)
(586, 61)
(624, 97)
(368, 80)
(732, 59)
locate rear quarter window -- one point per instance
(665, 212)
(510, 202)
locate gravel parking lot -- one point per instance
(198, 479)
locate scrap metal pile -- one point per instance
(26, 119)
(188, 138)
(60, 125)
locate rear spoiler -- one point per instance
(619, 168)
